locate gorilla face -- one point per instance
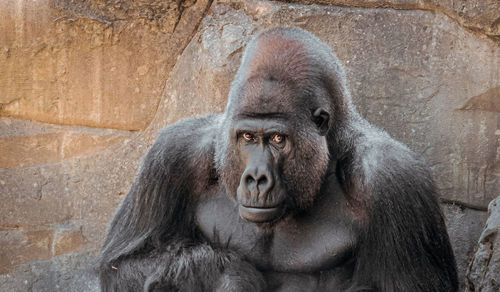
(271, 152)
(280, 152)
(263, 145)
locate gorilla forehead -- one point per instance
(265, 96)
(280, 58)
(282, 76)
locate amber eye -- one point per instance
(278, 139)
(248, 137)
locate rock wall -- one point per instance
(86, 84)
(484, 270)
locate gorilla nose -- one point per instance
(258, 183)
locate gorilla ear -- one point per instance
(321, 118)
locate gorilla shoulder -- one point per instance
(384, 160)
(187, 146)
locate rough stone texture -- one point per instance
(72, 272)
(90, 63)
(484, 271)
(68, 240)
(24, 246)
(26, 143)
(482, 16)
(421, 74)
(464, 225)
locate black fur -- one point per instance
(395, 238)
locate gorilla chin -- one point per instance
(261, 210)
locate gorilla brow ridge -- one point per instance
(263, 115)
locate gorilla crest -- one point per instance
(288, 189)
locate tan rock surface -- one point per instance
(26, 143)
(67, 241)
(481, 16)
(24, 246)
(90, 63)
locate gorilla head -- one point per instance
(273, 151)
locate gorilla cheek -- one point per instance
(305, 172)
(240, 194)
(230, 174)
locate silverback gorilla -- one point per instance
(288, 190)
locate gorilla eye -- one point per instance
(248, 137)
(278, 139)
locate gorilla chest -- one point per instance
(319, 241)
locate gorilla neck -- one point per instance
(283, 246)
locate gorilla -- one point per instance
(290, 189)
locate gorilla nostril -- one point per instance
(262, 181)
(249, 181)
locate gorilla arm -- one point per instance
(404, 246)
(151, 242)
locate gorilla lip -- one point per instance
(259, 214)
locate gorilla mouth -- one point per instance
(259, 214)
